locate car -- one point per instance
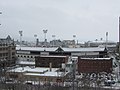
(10, 81)
(109, 82)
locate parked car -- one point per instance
(109, 82)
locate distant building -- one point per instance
(94, 65)
(29, 53)
(69, 43)
(111, 46)
(7, 51)
(56, 43)
(96, 43)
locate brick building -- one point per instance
(94, 65)
(56, 61)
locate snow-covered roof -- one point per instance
(35, 49)
(96, 58)
(54, 56)
(26, 63)
(64, 49)
(37, 71)
(102, 41)
(50, 74)
(84, 49)
(31, 69)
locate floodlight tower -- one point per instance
(106, 39)
(74, 36)
(20, 32)
(45, 40)
(0, 13)
(35, 39)
(53, 40)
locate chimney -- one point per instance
(50, 65)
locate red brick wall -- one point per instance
(45, 61)
(94, 66)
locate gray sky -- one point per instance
(87, 19)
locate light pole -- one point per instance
(45, 40)
(35, 39)
(53, 40)
(73, 73)
(20, 32)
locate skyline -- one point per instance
(88, 20)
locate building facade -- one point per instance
(50, 61)
(29, 53)
(7, 51)
(94, 65)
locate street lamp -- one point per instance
(20, 32)
(45, 40)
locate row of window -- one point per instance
(25, 56)
(6, 48)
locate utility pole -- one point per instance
(73, 72)
(45, 40)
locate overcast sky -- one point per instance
(87, 19)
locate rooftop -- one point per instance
(31, 69)
(64, 49)
(96, 58)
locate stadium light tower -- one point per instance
(20, 32)
(45, 40)
(0, 13)
(106, 38)
(53, 40)
(35, 39)
(74, 36)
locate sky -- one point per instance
(87, 19)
